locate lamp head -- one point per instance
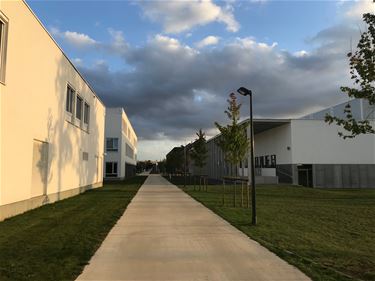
(244, 92)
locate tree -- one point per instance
(362, 71)
(233, 140)
(175, 160)
(199, 151)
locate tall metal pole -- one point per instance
(246, 92)
(185, 166)
(253, 198)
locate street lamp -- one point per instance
(246, 92)
(185, 166)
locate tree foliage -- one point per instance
(175, 160)
(233, 140)
(362, 71)
(199, 150)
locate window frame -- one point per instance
(3, 46)
(112, 174)
(70, 89)
(86, 114)
(78, 97)
(112, 149)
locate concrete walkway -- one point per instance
(166, 235)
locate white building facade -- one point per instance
(52, 122)
(306, 151)
(121, 145)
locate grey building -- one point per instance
(305, 151)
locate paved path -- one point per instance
(166, 235)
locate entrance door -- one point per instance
(305, 176)
(39, 168)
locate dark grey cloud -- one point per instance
(172, 90)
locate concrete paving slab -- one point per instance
(166, 235)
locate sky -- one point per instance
(172, 64)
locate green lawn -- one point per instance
(327, 233)
(55, 242)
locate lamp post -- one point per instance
(246, 92)
(185, 166)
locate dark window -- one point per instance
(79, 106)
(85, 156)
(261, 162)
(86, 116)
(267, 158)
(129, 151)
(112, 144)
(3, 47)
(273, 161)
(111, 169)
(69, 99)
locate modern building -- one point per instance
(121, 145)
(52, 122)
(306, 151)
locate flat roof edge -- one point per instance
(62, 51)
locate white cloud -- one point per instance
(77, 61)
(301, 53)
(167, 44)
(78, 40)
(118, 44)
(209, 40)
(180, 15)
(251, 43)
(359, 8)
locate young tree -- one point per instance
(233, 140)
(199, 151)
(362, 71)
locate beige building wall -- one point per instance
(45, 154)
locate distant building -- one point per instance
(306, 151)
(121, 145)
(52, 122)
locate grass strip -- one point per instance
(55, 241)
(327, 233)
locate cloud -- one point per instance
(207, 41)
(78, 40)
(173, 89)
(77, 61)
(179, 16)
(117, 45)
(359, 8)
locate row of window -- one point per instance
(111, 144)
(129, 151)
(128, 133)
(76, 106)
(3, 45)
